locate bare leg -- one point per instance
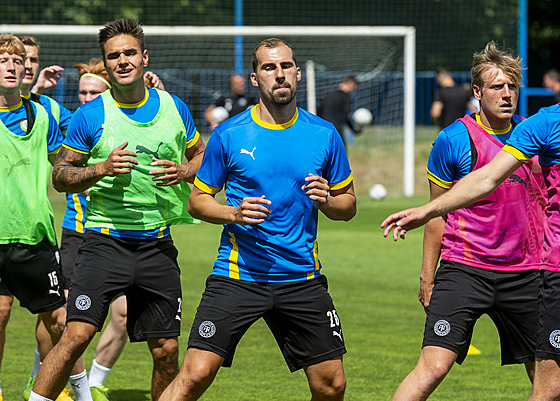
(65, 358)
(326, 380)
(113, 339)
(44, 341)
(165, 352)
(432, 367)
(546, 386)
(197, 373)
(6, 302)
(530, 368)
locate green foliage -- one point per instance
(374, 284)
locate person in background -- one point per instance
(234, 102)
(451, 101)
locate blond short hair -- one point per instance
(11, 44)
(491, 57)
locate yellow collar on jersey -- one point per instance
(490, 130)
(134, 105)
(11, 108)
(273, 126)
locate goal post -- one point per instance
(195, 62)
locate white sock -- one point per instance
(36, 364)
(97, 374)
(80, 386)
(37, 397)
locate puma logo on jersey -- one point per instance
(21, 162)
(339, 335)
(515, 178)
(246, 152)
(55, 291)
(142, 149)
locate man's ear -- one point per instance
(477, 92)
(254, 80)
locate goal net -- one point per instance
(196, 62)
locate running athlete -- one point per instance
(29, 261)
(267, 265)
(538, 135)
(489, 260)
(35, 80)
(132, 140)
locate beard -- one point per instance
(280, 99)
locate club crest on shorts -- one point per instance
(442, 328)
(554, 338)
(83, 302)
(207, 329)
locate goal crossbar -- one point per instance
(408, 33)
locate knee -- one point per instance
(332, 388)
(5, 309)
(166, 353)
(198, 376)
(77, 337)
(433, 371)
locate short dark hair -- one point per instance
(270, 43)
(123, 26)
(349, 78)
(29, 41)
(553, 74)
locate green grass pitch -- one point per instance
(374, 283)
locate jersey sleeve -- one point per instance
(211, 175)
(529, 138)
(65, 117)
(337, 172)
(192, 134)
(449, 159)
(54, 136)
(79, 135)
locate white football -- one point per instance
(219, 114)
(362, 116)
(377, 192)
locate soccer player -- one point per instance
(35, 80)
(235, 102)
(93, 81)
(267, 263)
(489, 260)
(126, 146)
(538, 135)
(29, 266)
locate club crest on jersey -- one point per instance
(23, 125)
(554, 338)
(207, 329)
(442, 328)
(83, 302)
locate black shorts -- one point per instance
(548, 340)
(69, 244)
(462, 294)
(301, 316)
(4, 290)
(32, 273)
(145, 270)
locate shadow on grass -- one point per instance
(129, 395)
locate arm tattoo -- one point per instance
(70, 173)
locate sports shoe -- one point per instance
(99, 393)
(64, 396)
(28, 387)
